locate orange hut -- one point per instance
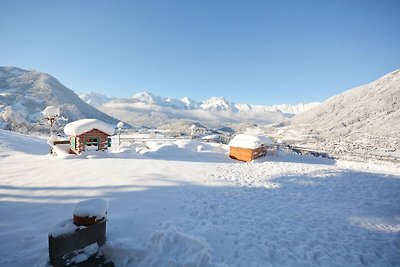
(245, 147)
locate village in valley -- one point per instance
(87, 135)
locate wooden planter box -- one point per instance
(247, 154)
(63, 248)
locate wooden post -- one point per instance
(119, 138)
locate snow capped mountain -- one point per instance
(94, 99)
(218, 104)
(151, 99)
(147, 98)
(175, 103)
(147, 109)
(190, 103)
(366, 117)
(25, 94)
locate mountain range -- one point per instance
(212, 104)
(154, 111)
(147, 109)
(25, 93)
(366, 118)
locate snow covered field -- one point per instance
(187, 204)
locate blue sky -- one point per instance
(259, 52)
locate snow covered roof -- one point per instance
(82, 126)
(249, 141)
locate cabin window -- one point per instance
(109, 142)
(91, 143)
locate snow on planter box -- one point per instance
(89, 135)
(246, 147)
(76, 242)
(90, 211)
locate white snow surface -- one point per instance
(84, 253)
(187, 203)
(82, 126)
(51, 139)
(63, 227)
(96, 207)
(249, 141)
(169, 247)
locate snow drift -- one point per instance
(168, 247)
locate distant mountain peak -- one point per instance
(143, 94)
(218, 103)
(190, 103)
(94, 99)
(146, 97)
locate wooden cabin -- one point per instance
(246, 147)
(89, 135)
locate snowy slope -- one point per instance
(295, 109)
(25, 94)
(186, 203)
(287, 109)
(364, 118)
